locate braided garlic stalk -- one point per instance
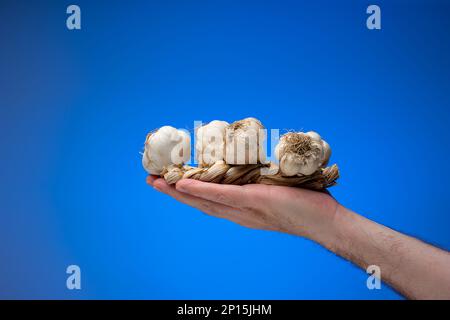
(234, 154)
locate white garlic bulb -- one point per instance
(210, 143)
(302, 153)
(244, 142)
(165, 147)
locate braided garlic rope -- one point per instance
(302, 156)
(224, 173)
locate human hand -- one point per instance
(285, 209)
(317, 216)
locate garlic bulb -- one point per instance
(165, 147)
(302, 153)
(210, 143)
(244, 142)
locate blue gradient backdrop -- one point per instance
(75, 107)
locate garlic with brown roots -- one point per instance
(210, 143)
(167, 146)
(244, 142)
(302, 153)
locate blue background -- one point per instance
(76, 106)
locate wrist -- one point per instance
(318, 222)
(335, 230)
(329, 232)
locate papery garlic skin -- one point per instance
(165, 147)
(326, 153)
(302, 153)
(326, 149)
(210, 143)
(244, 142)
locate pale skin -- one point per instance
(415, 269)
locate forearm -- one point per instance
(412, 267)
(415, 269)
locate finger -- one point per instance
(211, 208)
(229, 195)
(150, 179)
(206, 206)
